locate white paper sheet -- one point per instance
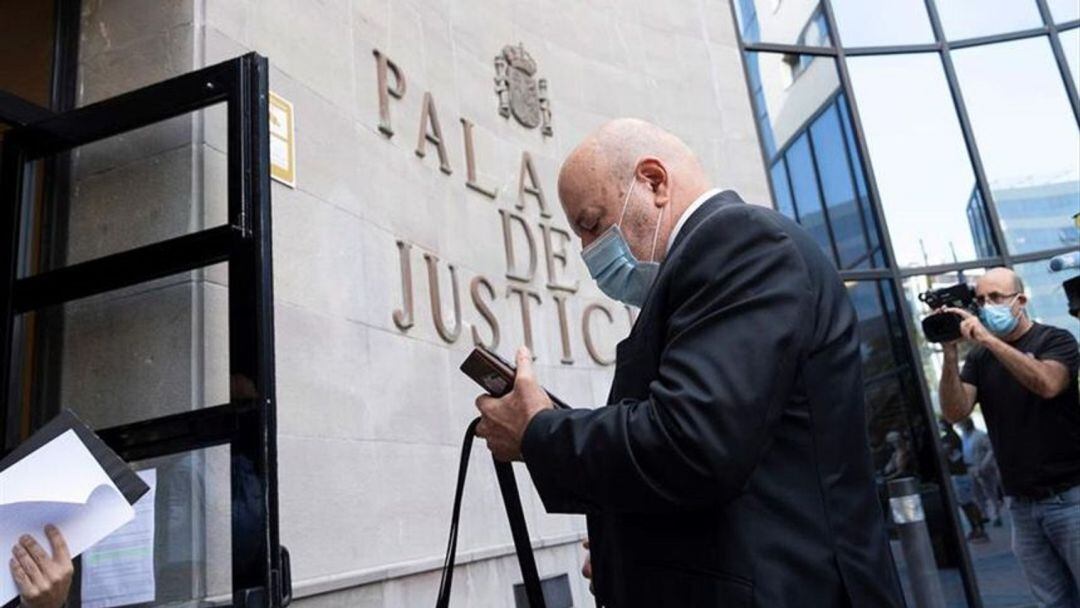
(119, 570)
(60, 483)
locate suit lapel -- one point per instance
(710, 206)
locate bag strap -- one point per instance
(504, 472)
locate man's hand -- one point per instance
(971, 328)
(504, 420)
(43, 581)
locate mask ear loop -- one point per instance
(656, 234)
(626, 199)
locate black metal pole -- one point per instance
(905, 505)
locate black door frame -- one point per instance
(247, 423)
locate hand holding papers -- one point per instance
(43, 580)
(62, 483)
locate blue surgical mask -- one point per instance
(613, 266)
(999, 318)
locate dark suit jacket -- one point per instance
(732, 467)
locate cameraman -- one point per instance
(1024, 374)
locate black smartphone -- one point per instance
(495, 374)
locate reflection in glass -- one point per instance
(1064, 10)
(863, 23)
(800, 23)
(782, 189)
(849, 215)
(901, 438)
(880, 331)
(1047, 302)
(806, 193)
(788, 89)
(179, 552)
(1070, 44)
(816, 172)
(922, 168)
(1028, 140)
(973, 18)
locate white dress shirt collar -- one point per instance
(698, 202)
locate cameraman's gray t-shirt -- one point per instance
(1036, 441)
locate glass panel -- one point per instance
(1047, 302)
(801, 23)
(882, 338)
(922, 168)
(1070, 45)
(1027, 137)
(863, 23)
(782, 188)
(805, 189)
(178, 550)
(878, 256)
(973, 18)
(1064, 10)
(806, 130)
(997, 569)
(849, 220)
(144, 186)
(788, 90)
(139, 352)
(901, 439)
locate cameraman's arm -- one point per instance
(1044, 378)
(957, 396)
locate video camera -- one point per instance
(945, 327)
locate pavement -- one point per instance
(1000, 580)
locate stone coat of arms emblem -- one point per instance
(519, 92)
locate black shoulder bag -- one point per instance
(496, 376)
(504, 471)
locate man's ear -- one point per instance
(655, 174)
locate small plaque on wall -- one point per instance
(282, 141)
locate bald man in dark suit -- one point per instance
(730, 466)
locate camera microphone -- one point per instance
(1064, 261)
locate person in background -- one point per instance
(43, 580)
(1024, 376)
(979, 458)
(902, 461)
(962, 482)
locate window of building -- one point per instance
(1064, 11)
(800, 23)
(862, 23)
(1027, 138)
(915, 165)
(923, 171)
(1047, 302)
(1070, 44)
(973, 18)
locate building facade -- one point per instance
(919, 141)
(423, 220)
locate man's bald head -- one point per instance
(1002, 286)
(596, 176)
(610, 152)
(1000, 280)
